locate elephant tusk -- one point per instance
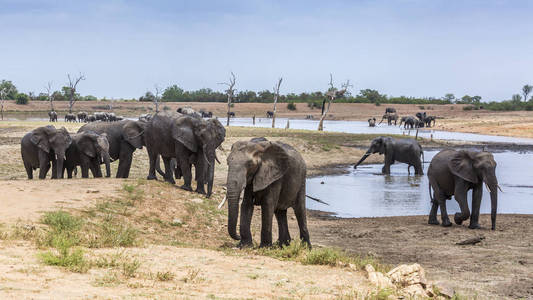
(222, 203)
(487, 187)
(499, 188)
(216, 158)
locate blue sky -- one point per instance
(403, 47)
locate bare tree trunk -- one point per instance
(2, 110)
(73, 83)
(276, 96)
(322, 117)
(229, 110)
(230, 92)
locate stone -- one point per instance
(406, 275)
(197, 200)
(414, 291)
(377, 278)
(176, 222)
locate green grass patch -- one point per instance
(71, 259)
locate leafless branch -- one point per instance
(276, 96)
(157, 90)
(73, 84)
(230, 93)
(50, 94)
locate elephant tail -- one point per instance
(158, 166)
(431, 197)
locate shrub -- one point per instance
(22, 98)
(378, 104)
(291, 106)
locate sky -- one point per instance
(420, 48)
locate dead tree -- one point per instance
(3, 95)
(276, 96)
(230, 92)
(332, 94)
(50, 95)
(72, 84)
(156, 97)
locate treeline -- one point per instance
(174, 93)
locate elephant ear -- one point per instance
(183, 133)
(133, 134)
(461, 165)
(39, 138)
(274, 164)
(86, 145)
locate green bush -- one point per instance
(291, 106)
(22, 98)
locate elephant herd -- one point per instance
(421, 119)
(85, 117)
(450, 173)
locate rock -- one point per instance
(197, 200)
(414, 291)
(29, 227)
(92, 191)
(406, 275)
(176, 222)
(377, 278)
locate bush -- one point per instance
(22, 98)
(291, 106)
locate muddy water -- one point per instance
(365, 192)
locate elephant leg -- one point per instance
(201, 170)
(85, 170)
(269, 201)
(185, 167)
(69, 172)
(95, 170)
(460, 194)
(125, 157)
(284, 238)
(386, 167)
(477, 193)
(54, 169)
(301, 217)
(44, 164)
(247, 210)
(29, 170)
(169, 176)
(418, 167)
(434, 205)
(152, 157)
(443, 212)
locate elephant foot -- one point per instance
(265, 245)
(433, 221)
(149, 177)
(245, 244)
(200, 191)
(474, 226)
(283, 243)
(186, 187)
(171, 181)
(457, 218)
(446, 223)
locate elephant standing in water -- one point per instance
(406, 151)
(192, 141)
(42, 146)
(454, 173)
(88, 150)
(372, 122)
(272, 174)
(123, 137)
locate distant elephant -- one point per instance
(70, 118)
(192, 141)
(421, 115)
(53, 116)
(402, 121)
(124, 137)
(43, 145)
(189, 111)
(390, 118)
(454, 173)
(372, 122)
(231, 114)
(270, 114)
(410, 122)
(272, 174)
(390, 110)
(91, 118)
(427, 121)
(82, 116)
(406, 151)
(88, 150)
(100, 116)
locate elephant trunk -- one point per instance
(210, 179)
(367, 154)
(107, 161)
(59, 165)
(492, 184)
(233, 213)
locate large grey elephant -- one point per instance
(123, 137)
(88, 150)
(454, 173)
(389, 118)
(406, 151)
(43, 145)
(191, 140)
(272, 174)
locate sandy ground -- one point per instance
(499, 267)
(450, 117)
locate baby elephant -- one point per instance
(88, 150)
(272, 175)
(372, 122)
(454, 173)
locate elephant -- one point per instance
(231, 114)
(272, 174)
(390, 110)
(189, 111)
(123, 137)
(91, 118)
(372, 122)
(390, 118)
(70, 118)
(87, 150)
(421, 115)
(82, 116)
(402, 120)
(454, 173)
(100, 116)
(427, 121)
(191, 141)
(410, 122)
(53, 116)
(43, 145)
(145, 117)
(205, 114)
(406, 151)
(269, 114)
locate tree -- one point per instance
(332, 94)
(449, 97)
(147, 97)
(157, 97)
(230, 93)
(50, 95)
(372, 96)
(72, 85)
(22, 98)
(172, 93)
(7, 88)
(276, 96)
(526, 89)
(516, 98)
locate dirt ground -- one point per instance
(499, 267)
(451, 117)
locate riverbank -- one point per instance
(450, 117)
(199, 234)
